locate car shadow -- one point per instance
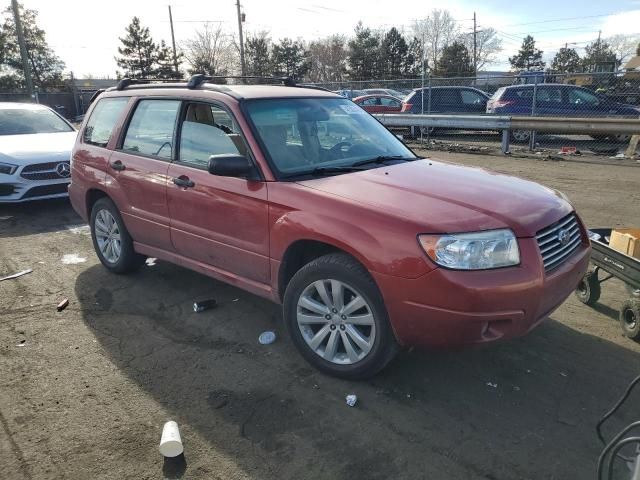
(520, 409)
(38, 216)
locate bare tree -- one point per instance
(211, 51)
(438, 30)
(624, 46)
(328, 59)
(488, 45)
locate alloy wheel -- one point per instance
(336, 321)
(108, 236)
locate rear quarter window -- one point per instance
(103, 120)
(525, 94)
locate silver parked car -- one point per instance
(35, 152)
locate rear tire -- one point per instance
(111, 240)
(337, 319)
(588, 290)
(630, 318)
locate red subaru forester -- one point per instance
(300, 196)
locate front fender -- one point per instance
(380, 249)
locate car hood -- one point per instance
(446, 198)
(38, 147)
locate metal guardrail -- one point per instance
(506, 124)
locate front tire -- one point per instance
(588, 290)
(337, 319)
(111, 240)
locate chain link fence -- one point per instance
(540, 94)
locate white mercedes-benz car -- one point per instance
(35, 152)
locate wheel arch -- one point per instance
(91, 197)
(302, 251)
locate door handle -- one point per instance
(184, 182)
(117, 165)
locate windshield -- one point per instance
(23, 121)
(303, 135)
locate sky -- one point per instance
(84, 33)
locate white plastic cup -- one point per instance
(170, 442)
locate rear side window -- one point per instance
(469, 97)
(389, 102)
(520, 93)
(549, 95)
(150, 131)
(103, 120)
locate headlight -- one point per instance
(8, 168)
(472, 251)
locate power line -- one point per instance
(561, 19)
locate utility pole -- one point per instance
(173, 41)
(475, 45)
(240, 20)
(23, 48)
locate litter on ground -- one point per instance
(351, 400)
(267, 337)
(72, 259)
(16, 275)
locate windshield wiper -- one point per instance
(326, 171)
(382, 159)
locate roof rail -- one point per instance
(198, 79)
(127, 82)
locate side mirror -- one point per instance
(230, 165)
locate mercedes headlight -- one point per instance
(472, 251)
(8, 168)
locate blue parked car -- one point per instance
(556, 100)
(452, 100)
(445, 100)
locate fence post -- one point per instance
(532, 137)
(505, 142)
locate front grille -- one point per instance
(42, 190)
(42, 171)
(552, 249)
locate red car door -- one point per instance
(137, 171)
(220, 221)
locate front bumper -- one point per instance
(447, 308)
(16, 188)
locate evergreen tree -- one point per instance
(455, 61)
(566, 60)
(257, 59)
(363, 54)
(289, 58)
(638, 50)
(413, 61)
(598, 52)
(393, 53)
(529, 58)
(46, 67)
(165, 66)
(139, 53)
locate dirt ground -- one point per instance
(84, 392)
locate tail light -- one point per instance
(406, 107)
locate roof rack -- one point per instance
(127, 82)
(198, 79)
